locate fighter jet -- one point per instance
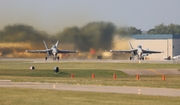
(138, 52)
(53, 51)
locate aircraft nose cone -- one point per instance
(139, 53)
(54, 53)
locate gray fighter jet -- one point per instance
(52, 51)
(138, 52)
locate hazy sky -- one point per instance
(53, 16)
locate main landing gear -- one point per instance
(54, 58)
(131, 58)
(141, 58)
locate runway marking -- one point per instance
(155, 71)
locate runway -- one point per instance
(93, 88)
(41, 60)
(106, 61)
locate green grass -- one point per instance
(80, 73)
(19, 96)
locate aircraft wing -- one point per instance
(124, 51)
(150, 52)
(37, 51)
(67, 51)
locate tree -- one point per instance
(163, 29)
(21, 33)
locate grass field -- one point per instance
(19, 71)
(19, 96)
(84, 65)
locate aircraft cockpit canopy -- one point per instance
(139, 46)
(54, 46)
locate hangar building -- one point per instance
(168, 43)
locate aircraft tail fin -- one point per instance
(57, 44)
(45, 45)
(130, 45)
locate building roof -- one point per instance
(156, 36)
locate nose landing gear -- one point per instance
(56, 58)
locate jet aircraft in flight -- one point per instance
(52, 51)
(138, 52)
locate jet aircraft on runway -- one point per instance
(138, 52)
(53, 51)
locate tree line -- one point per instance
(96, 35)
(165, 29)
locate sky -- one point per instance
(52, 16)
